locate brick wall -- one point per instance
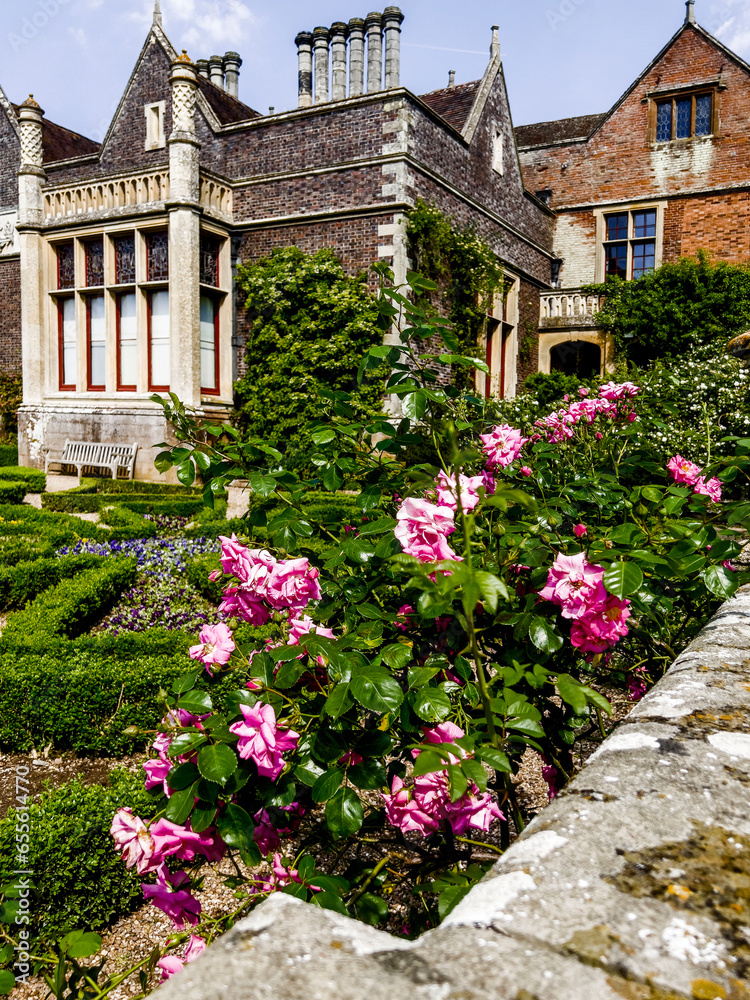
(10, 156)
(10, 316)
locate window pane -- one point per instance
(97, 341)
(209, 261)
(684, 110)
(617, 226)
(643, 258)
(95, 263)
(125, 260)
(128, 333)
(66, 267)
(616, 260)
(644, 223)
(159, 338)
(157, 253)
(664, 121)
(69, 341)
(703, 115)
(208, 344)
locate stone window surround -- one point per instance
(498, 149)
(79, 236)
(654, 97)
(601, 232)
(155, 134)
(502, 311)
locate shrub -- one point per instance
(136, 486)
(12, 492)
(26, 580)
(549, 389)
(80, 881)
(8, 454)
(81, 500)
(16, 550)
(127, 524)
(35, 479)
(57, 529)
(69, 608)
(197, 574)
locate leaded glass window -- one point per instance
(664, 121)
(684, 117)
(94, 263)
(209, 261)
(124, 260)
(703, 108)
(644, 223)
(682, 121)
(157, 254)
(66, 266)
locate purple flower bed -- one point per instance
(160, 557)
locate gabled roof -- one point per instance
(563, 130)
(453, 103)
(60, 143)
(227, 109)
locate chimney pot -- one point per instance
(690, 12)
(304, 41)
(338, 59)
(495, 44)
(216, 68)
(232, 63)
(451, 79)
(374, 26)
(356, 32)
(392, 20)
(202, 67)
(320, 42)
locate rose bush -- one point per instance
(476, 611)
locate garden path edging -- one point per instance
(626, 886)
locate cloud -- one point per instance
(79, 36)
(201, 25)
(729, 21)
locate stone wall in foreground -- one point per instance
(634, 884)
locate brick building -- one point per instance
(119, 271)
(663, 173)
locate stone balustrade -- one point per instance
(100, 197)
(216, 198)
(568, 307)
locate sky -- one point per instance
(561, 57)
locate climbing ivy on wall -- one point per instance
(463, 265)
(310, 325)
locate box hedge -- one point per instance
(8, 454)
(57, 529)
(12, 492)
(26, 580)
(35, 479)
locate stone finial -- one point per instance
(320, 44)
(374, 28)
(216, 69)
(690, 12)
(157, 13)
(338, 60)
(184, 58)
(232, 63)
(184, 80)
(495, 44)
(356, 33)
(30, 103)
(30, 119)
(304, 41)
(451, 79)
(392, 20)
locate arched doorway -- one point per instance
(576, 357)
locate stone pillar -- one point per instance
(374, 25)
(690, 12)
(495, 43)
(392, 18)
(320, 42)
(202, 67)
(216, 68)
(338, 61)
(184, 236)
(31, 177)
(304, 41)
(232, 63)
(356, 56)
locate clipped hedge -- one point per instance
(69, 608)
(85, 500)
(35, 479)
(197, 574)
(8, 454)
(141, 487)
(16, 550)
(26, 580)
(80, 881)
(126, 523)
(12, 492)
(57, 529)
(167, 508)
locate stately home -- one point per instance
(117, 259)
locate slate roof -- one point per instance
(453, 103)
(226, 108)
(563, 130)
(60, 143)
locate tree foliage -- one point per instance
(680, 305)
(311, 323)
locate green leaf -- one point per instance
(202, 817)
(344, 813)
(85, 945)
(475, 772)
(329, 901)
(571, 693)
(396, 655)
(236, 828)
(186, 472)
(458, 783)
(379, 527)
(527, 726)
(327, 785)
(369, 498)
(182, 776)
(217, 763)
(324, 436)
(370, 775)
(451, 897)
(264, 486)
(338, 701)
(180, 805)
(419, 676)
(376, 689)
(492, 589)
(623, 578)
(495, 758)
(427, 762)
(7, 982)
(186, 682)
(289, 673)
(371, 909)
(186, 743)
(720, 581)
(430, 703)
(544, 636)
(196, 702)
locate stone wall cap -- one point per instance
(393, 14)
(374, 19)
(303, 37)
(339, 28)
(320, 32)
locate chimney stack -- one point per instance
(320, 42)
(304, 41)
(392, 19)
(356, 56)
(202, 67)
(374, 25)
(216, 68)
(495, 44)
(451, 79)
(690, 12)
(338, 60)
(232, 63)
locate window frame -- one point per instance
(217, 303)
(602, 242)
(121, 386)
(60, 306)
(91, 386)
(149, 296)
(680, 94)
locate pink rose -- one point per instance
(240, 603)
(293, 584)
(214, 575)
(422, 530)
(708, 488)
(140, 845)
(179, 905)
(683, 471)
(574, 584)
(262, 741)
(602, 626)
(525, 471)
(216, 645)
(170, 965)
(580, 530)
(502, 445)
(156, 773)
(403, 812)
(446, 491)
(614, 391)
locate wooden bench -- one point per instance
(86, 454)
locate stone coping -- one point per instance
(634, 883)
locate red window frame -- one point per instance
(89, 383)
(121, 387)
(151, 386)
(217, 359)
(64, 387)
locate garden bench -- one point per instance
(87, 454)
